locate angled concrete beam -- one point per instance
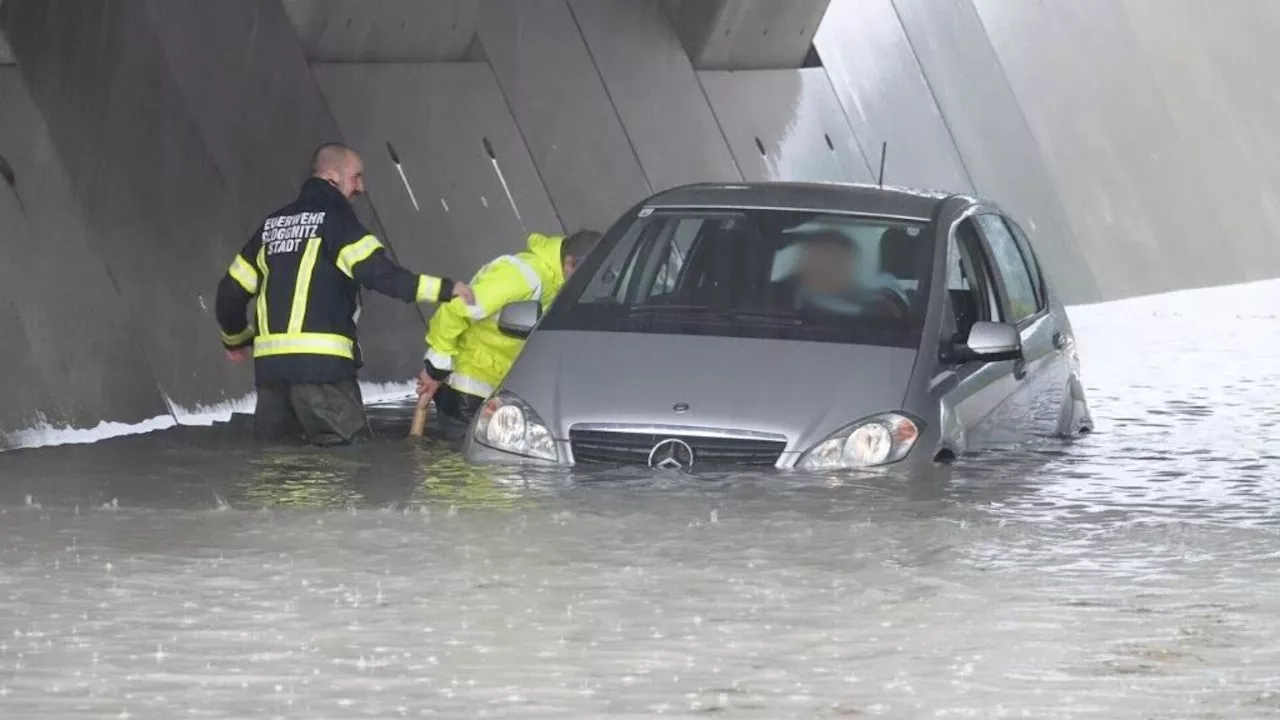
(746, 34)
(6, 54)
(385, 31)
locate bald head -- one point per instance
(341, 167)
(329, 157)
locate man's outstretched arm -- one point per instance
(366, 260)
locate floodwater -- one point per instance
(1132, 574)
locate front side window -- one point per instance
(755, 273)
(1022, 301)
(969, 290)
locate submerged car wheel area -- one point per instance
(788, 325)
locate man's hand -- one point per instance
(463, 290)
(426, 390)
(427, 387)
(238, 355)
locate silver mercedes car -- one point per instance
(790, 325)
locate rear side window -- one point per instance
(1037, 275)
(1022, 300)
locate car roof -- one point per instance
(885, 201)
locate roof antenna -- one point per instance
(884, 150)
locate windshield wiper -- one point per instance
(665, 309)
(741, 316)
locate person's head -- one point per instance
(575, 247)
(829, 262)
(341, 167)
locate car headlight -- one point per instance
(878, 440)
(507, 423)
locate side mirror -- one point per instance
(993, 342)
(519, 319)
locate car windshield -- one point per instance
(778, 274)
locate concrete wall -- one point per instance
(886, 96)
(559, 100)
(1135, 203)
(146, 139)
(995, 145)
(439, 118)
(663, 108)
(785, 124)
(1129, 137)
(128, 119)
(59, 364)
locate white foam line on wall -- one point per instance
(43, 434)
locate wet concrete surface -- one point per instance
(1130, 574)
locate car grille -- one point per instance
(633, 448)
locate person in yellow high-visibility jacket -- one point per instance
(467, 355)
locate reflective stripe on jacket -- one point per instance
(465, 348)
(302, 270)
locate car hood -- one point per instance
(802, 390)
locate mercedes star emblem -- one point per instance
(671, 454)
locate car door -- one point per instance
(1053, 383)
(973, 395)
(1032, 409)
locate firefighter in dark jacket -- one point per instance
(305, 265)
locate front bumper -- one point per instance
(632, 449)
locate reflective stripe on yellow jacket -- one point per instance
(465, 341)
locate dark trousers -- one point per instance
(321, 413)
(455, 411)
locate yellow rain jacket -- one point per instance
(465, 348)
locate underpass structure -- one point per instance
(140, 143)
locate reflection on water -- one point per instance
(300, 479)
(1130, 574)
(408, 474)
